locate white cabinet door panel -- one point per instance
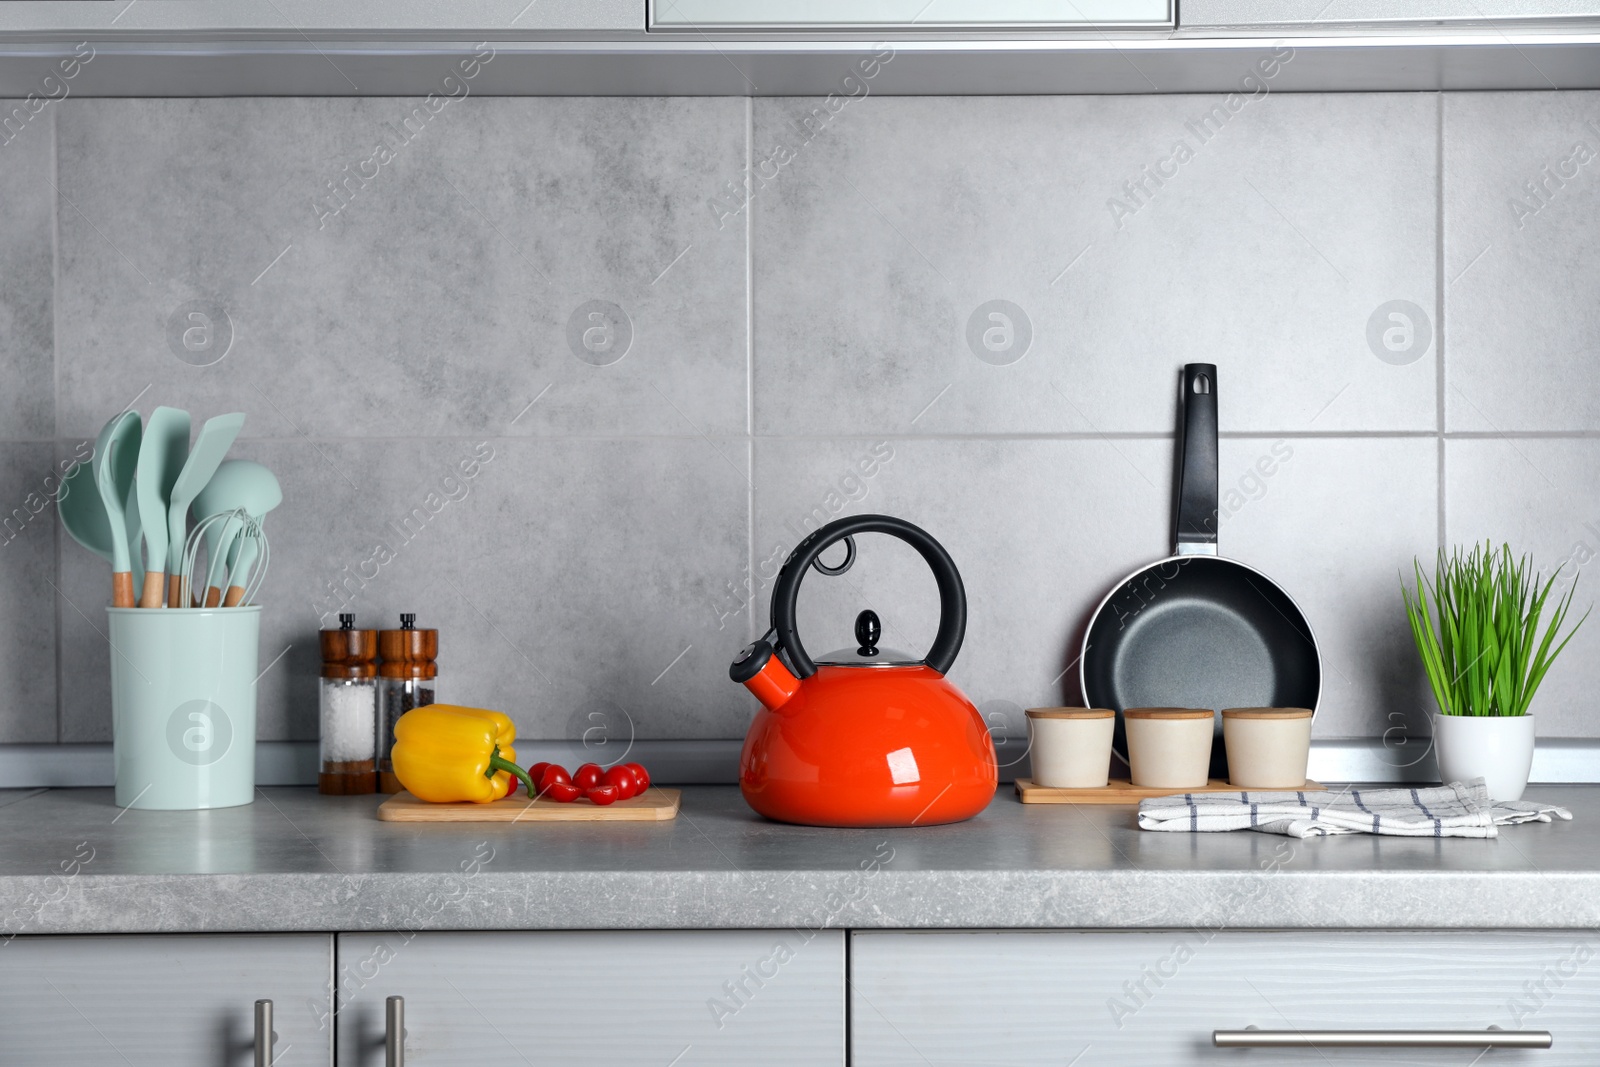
(684, 998)
(175, 1000)
(904, 15)
(1323, 15)
(1089, 999)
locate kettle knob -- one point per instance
(868, 630)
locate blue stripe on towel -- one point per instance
(1438, 827)
(1355, 795)
(1416, 798)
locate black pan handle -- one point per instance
(952, 595)
(1197, 461)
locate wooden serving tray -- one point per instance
(653, 805)
(1122, 791)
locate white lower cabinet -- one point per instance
(1155, 998)
(168, 1001)
(663, 998)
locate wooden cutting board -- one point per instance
(1122, 791)
(653, 805)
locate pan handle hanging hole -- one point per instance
(849, 560)
(1202, 384)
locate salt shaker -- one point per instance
(407, 680)
(349, 709)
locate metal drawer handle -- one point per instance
(394, 1032)
(1493, 1037)
(265, 1038)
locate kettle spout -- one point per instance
(764, 674)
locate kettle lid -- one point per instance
(867, 653)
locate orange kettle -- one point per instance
(866, 736)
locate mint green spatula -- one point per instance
(210, 445)
(161, 457)
(116, 455)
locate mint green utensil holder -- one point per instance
(183, 706)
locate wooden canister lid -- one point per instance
(1070, 713)
(1266, 713)
(1169, 713)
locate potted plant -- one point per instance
(1485, 656)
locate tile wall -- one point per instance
(658, 380)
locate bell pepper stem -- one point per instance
(499, 763)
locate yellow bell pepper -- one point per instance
(444, 753)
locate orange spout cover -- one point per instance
(773, 685)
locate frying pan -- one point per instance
(1195, 630)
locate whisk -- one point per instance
(243, 555)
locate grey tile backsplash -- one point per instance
(968, 312)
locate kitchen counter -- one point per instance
(71, 862)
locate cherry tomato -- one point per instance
(587, 776)
(644, 775)
(625, 781)
(553, 775)
(536, 772)
(563, 792)
(511, 787)
(603, 794)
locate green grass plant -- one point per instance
(1481, 643)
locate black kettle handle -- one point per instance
(1197, 460)
(952, 595)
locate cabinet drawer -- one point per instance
(1321, 15)
(1155, 997)
(179, 1000)
(680, 997)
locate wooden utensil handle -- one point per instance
(122, 589)
(235, 595)
(154, 583)
(175, 591)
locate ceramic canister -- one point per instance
(183, 706)
(1170, 748)
(1267, 747)
(1071, 747)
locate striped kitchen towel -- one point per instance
(1455, 810)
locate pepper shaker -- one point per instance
(349, 700)
(408, 677)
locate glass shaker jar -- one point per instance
(407, 678)
(349, 698)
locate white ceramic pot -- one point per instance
(1071, 747)
(1268, 748)
(1170, 748)
(1496, 748)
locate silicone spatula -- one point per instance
(210, 445)
(161, 457)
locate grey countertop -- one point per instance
(71, 862)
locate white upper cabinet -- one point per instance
(314, 18)
(1312, 15)
(905, 15)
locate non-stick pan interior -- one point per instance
(1200, 632)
